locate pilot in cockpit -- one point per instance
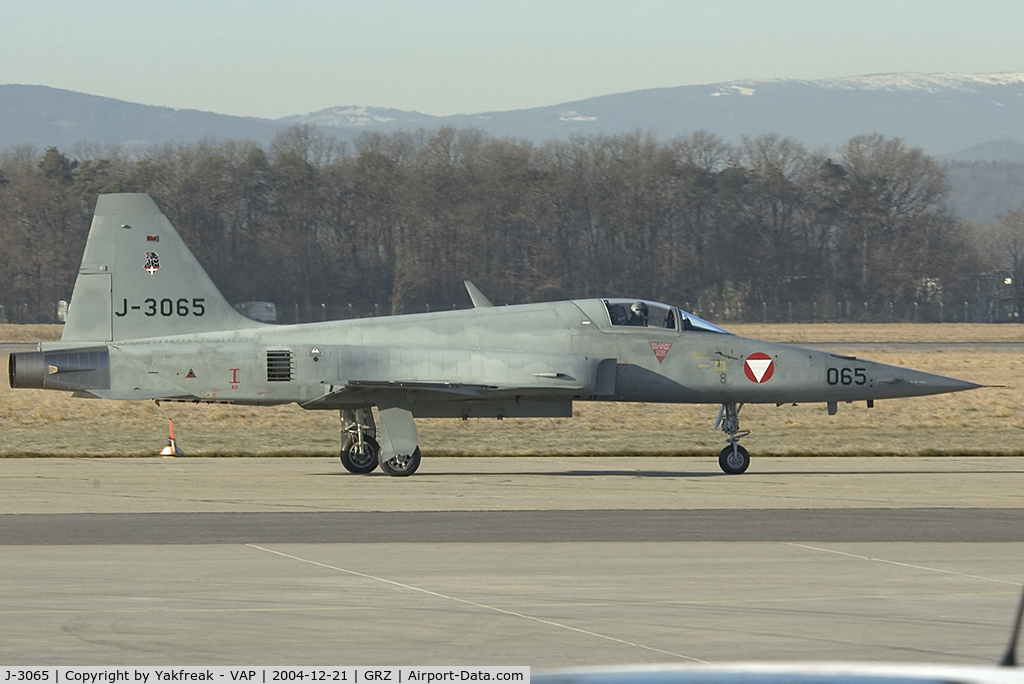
(638, 314)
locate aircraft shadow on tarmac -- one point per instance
(552, 473)
(636, 473)
(786, 473)
(685, 474)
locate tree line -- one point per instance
(393, 223)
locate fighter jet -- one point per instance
(145, 322)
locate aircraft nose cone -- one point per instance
(941, 383)
(960, 385)
(905, 382)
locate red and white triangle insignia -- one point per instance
(660, 349)
(759, 367)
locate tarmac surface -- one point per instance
(547, 562)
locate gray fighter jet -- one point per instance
(146, 322)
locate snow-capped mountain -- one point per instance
(926, 82)
(363, 118)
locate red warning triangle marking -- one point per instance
(660, 349)
(190, 374)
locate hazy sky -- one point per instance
(270, 59)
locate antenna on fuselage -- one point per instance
(479, 300)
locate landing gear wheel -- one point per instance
(359, 460)
(402, 466)
(734, 459)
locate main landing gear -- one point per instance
(359, 447)
(361, 453)
(733, 459)
(402, 465)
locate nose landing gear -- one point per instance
(733, 459)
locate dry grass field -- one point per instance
(985, 421)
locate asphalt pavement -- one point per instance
(547, 562)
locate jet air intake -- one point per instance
(69, 370)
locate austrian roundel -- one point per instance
(759, 367)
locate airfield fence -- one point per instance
(979, 311)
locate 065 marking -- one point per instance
(846, 376)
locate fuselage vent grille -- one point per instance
(279, 365)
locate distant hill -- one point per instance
(48, 117)
(995, 151)
(945, 114)
(982, 190)
(346, 122)
(953, 115)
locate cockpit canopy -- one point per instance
(645, 314)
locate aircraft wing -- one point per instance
(133, 395)
(449, 390)
(354, 386)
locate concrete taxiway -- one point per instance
(547, 562)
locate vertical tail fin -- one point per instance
(138, 279)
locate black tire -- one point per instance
(402, 466)
(734, 462)
(359, 461)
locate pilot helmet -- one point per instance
(639, 308)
